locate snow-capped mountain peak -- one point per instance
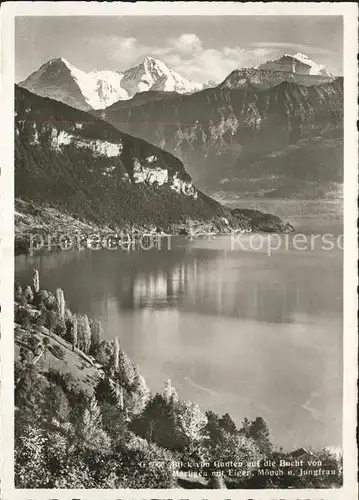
(315, 69)
(61, 80)
(296, 63)
(153, 74)
(151, 62)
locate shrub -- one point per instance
(22, 316)
(40, 298)
(19, 294)
(46, 342)
(34, 343)
(58, 351)
(28, 294)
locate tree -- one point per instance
(105, 355)
(169, 392)
(87, 334)
(115, 355)
(96, 336)
(60, 301)
(46, 343)
(232, 448)
(158, 471)
(60, 448)
(26, 355)
(30, 465)
(126, 371)
(75, 473)
(190, 422)
(22, 316)
(258, 431)
(40, 320)
(139, 395)
(50, 302)
(18, 292)
(83, 333)
(56, 404)
(74, 339)
(40, 298)
(36, 281)
(157, 423)
(105, 392)
(29, 392)
(68, 318)
(60, 328)
(227, 424)
(68, 315)
(91, 433)
(51, 320)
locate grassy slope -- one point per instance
(85, 374)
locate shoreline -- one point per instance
(37, 225)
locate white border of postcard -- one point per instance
(349, 11)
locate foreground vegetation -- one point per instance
(85, 418)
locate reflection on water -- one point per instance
(237, 331)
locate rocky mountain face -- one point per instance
(70, 163)
(60, 80)
(70, 159)
(230, 133)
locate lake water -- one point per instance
(235, 329)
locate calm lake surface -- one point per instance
(236, 330)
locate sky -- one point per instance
(200, 48)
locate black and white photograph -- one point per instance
(179, 197)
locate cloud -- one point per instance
(296, 47)
(129, 43)
(187, 43)
(216, 64)
(210, 64)
(114, 49)
(185, 54)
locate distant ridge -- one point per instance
(251, 140)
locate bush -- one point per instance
(22, 316)
(145, 465)
(58, 351)
(64, 380)
(44, 299)
(40, 298)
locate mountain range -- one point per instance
(60, 80)
(273, 130)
